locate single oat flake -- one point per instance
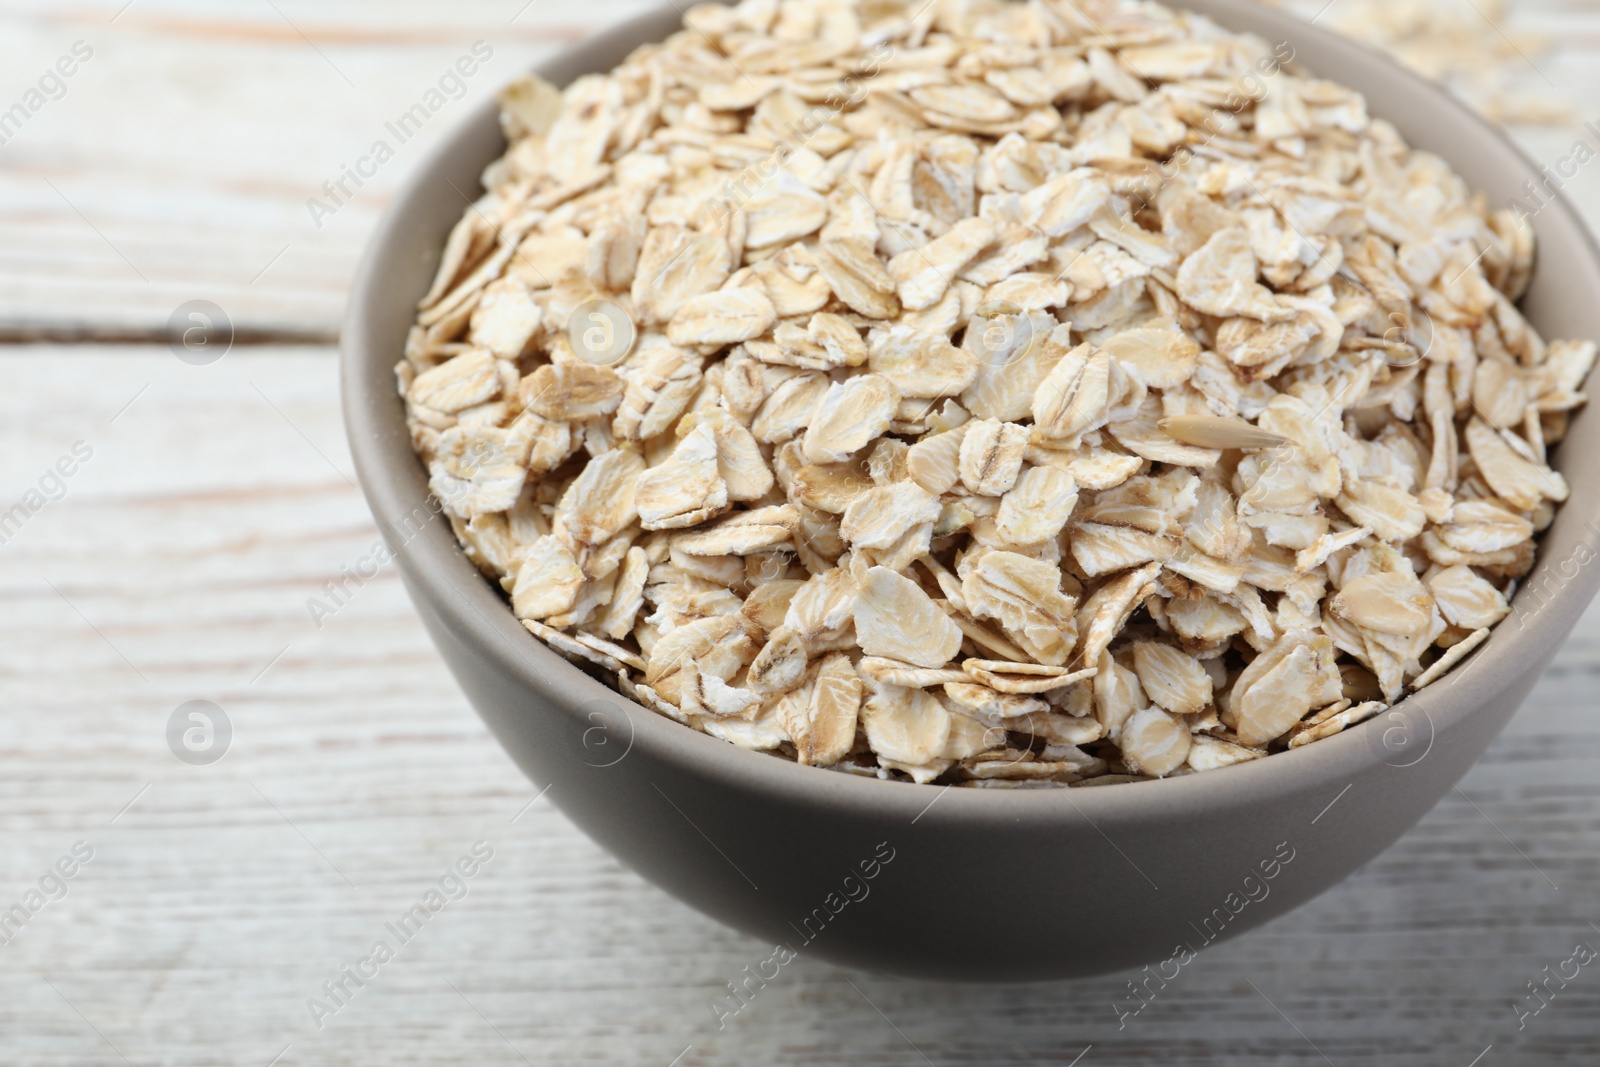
(988, 393)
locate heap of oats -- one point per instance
(1461, 44)
(1016, 398)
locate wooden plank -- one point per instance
(179, 162)
(217, 500)
(182, 556)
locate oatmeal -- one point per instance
(990, 393)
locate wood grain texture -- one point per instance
(178, 566)
(179, 162)
(179, 562)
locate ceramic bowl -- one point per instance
(966, 884)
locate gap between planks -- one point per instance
(24, 335)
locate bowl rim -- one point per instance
(437, 569)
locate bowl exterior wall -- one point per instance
(1085, 894)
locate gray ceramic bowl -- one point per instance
(966, 884)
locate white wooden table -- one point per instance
(179, 559)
